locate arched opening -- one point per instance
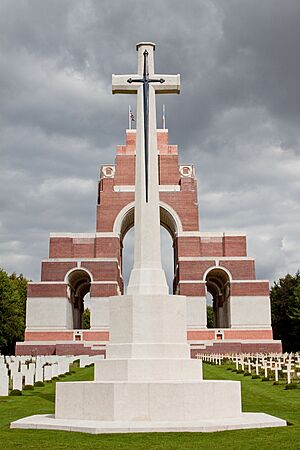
(168, 232)
(79, 284)
(218, 293)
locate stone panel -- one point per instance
(189, 270)
(107, 247)
(125, 170)
(56, 271)
(168, 169)
(47, 290)
(212, 246)
(103, 290)
(102, 270)
(188, 246)
(240, 269)
(110, 207)
(235, 245)
(49, 335)
(250, 289)
(185, 204)
(248, 334)
(61, 247)
(192, 289)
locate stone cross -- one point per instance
(145, 81)
(147, 276)
(276, 369)
(265, 366)
(249, 364)
(242, 363)
(288, 371)
(257, 366)
(237, 363)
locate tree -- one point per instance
(285, 303)
(13, 293)
(86, 316)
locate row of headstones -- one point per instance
(286, 363)
(20, 371)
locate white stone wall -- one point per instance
(196, 312)
(48, 312)
(250, 311)
(99, 313)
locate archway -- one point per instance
(168, 233)
(218, 286)
(79, 284)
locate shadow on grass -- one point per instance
(48, 397)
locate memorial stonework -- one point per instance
(81, 263)
(148, 382)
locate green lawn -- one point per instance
(257, 396)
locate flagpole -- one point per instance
(129, 117)
(164, 116)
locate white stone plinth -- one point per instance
(244, 421)
(148, 370)
(148, 383)
(147, 326)
(148, 401)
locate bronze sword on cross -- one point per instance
(146, 81)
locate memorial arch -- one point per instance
(169, 220)
(217, 281)
(78, 285)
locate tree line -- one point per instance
(285, 303)
(13, 293)
(285, 307)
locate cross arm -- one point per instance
(171, 84)
(120, 84)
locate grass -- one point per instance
(257, 396)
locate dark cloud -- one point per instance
(237, 118)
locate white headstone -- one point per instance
(39, 373)
(29, 378)
(47, 373)
(18, 381)
(4, 382)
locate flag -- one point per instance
(131, 117)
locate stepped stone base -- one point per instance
(244, 421)
(148, 383)
(122, 407)
(148, 370)
(148, 400)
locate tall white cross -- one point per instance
(147, 276)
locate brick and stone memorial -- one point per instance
(204, 262)
(148, 381)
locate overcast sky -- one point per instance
(237, 117)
